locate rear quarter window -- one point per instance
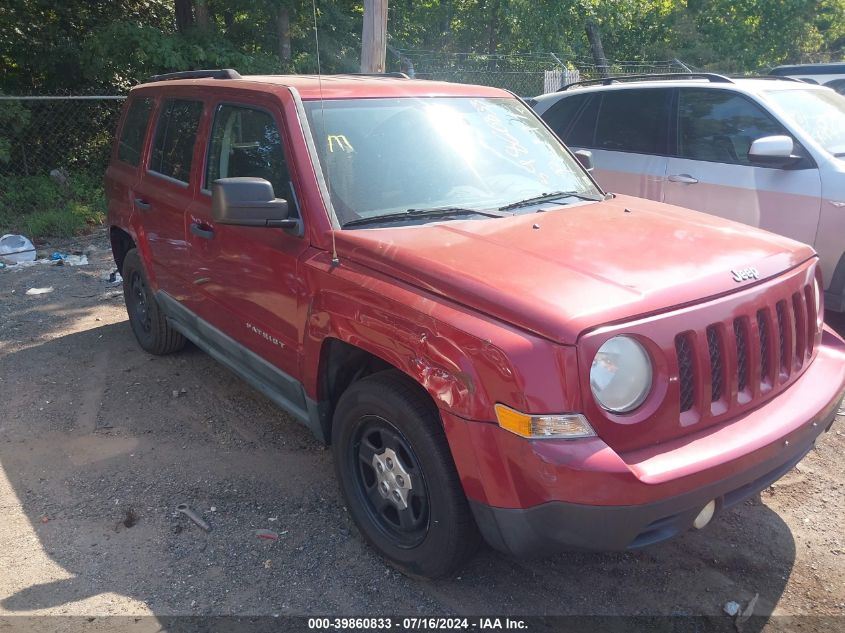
(131, 142)
(176, 134)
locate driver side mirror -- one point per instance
(249, 202)
(773, 151)
(585, 157)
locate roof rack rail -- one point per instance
(606, 81)
(395, 75)
(220, 73)
(822, 68)
(768, 78)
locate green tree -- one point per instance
(90, 46)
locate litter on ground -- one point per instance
(39, 291)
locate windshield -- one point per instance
(387, 156)
(821, 113)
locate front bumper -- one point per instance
(542, 496)
(559, 525)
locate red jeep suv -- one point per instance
(429, 280)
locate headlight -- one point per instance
(620, 377)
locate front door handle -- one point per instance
(143, 204)
(202, 230)
(683, 178)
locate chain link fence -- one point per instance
(823, 57)
(524, 74)
(53, 153)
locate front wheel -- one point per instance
(398, 478)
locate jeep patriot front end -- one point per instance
(424, 275)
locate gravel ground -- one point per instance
(99, 442)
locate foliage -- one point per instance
(53, 210)
(99, 46)
(122, 53)
(726, 35)
(12, 115)
(107, 46)
(747, 35)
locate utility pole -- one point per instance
(594, 36)
(374, 36)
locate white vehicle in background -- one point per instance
(765, 152)
(831, 75)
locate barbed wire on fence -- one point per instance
(522, 73)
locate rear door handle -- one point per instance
(202, 230)
(683, 178)
(143, 204)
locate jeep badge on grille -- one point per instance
(744, 274)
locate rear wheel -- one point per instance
(398, 478)
(148, 323)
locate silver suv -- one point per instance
(768, 152)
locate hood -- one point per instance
(572, 268)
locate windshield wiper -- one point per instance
(548, 197)
(417, 213)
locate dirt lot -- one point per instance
(96, 451)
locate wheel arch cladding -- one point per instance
(341, 364)
(136, 233)
(121, 243)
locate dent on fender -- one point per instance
(458, 370)
(450, 389)
(446, 381)
(438, 364)
(459, 357)
(435, 355)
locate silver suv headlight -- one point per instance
(621, 374)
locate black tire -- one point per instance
(151, 329)
(435, 534)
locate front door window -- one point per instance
(720, 126)
(246, 142)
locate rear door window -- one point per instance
(246, 142)
(719, 126)
(583, 130)
(134, 130)
(634, 120)
(176, 133)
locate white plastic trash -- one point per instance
(39, 291)
(16, 248)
